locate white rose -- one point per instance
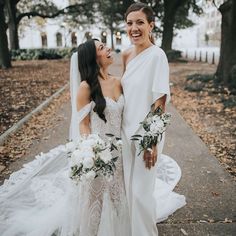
(100, 142)
(89, 143)
(77, 157)
(106, 156)
(153, 128)
(90, 175)
(88, 163)
(157, 126)
(88, 153)
(159, 123)
(70, 146)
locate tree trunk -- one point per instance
(5, 60)
(112, 40)
(168, 31)
(12, 25)
(228, 38)
(170, 9)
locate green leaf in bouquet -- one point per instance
(134, 139)
(99, 162)
(137, 136)
(110, 135)
(114, 159)
(113, 146)
(146, 127)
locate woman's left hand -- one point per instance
(150, 157)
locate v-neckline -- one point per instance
(116, 101)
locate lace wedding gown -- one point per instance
(40, 199)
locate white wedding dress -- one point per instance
(41, 200)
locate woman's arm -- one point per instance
(83, 98)
(124, 58)
(160, 102)
(150, 157)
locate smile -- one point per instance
(135, 35)
(109, 55)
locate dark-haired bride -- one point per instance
(40, 199)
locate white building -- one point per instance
(203, 39)
(54, 33)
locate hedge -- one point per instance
(41, 53)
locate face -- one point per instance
(104, 55)
(138, 28)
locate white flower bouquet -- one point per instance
(155, 125)
(91, 157)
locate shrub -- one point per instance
(173, 55)
(200, 77)
(40, 54)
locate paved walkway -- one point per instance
(209, 190)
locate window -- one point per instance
(104, 37)
(118, 38)
(44, 40)
(59, 39)
(88, 35)
(73, 39)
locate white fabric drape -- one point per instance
(145, 80)
(75, 80)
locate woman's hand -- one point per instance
(150, 157)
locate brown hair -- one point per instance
(139, 6)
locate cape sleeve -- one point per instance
(160, 84)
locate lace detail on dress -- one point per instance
(100, 189)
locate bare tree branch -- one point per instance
(69, 9)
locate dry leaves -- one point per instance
(28, 84)
(205, 112)
(17, 145)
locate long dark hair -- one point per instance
(139, 6)
(89, 71)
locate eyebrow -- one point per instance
(100, 46)
(136, 20)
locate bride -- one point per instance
(40, 199)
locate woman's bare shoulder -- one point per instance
(83, 94)
(126, 55)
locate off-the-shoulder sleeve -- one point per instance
(161, 85)
(78, 117)
(84, 111)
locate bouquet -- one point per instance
(91, 157)
(154, 125)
